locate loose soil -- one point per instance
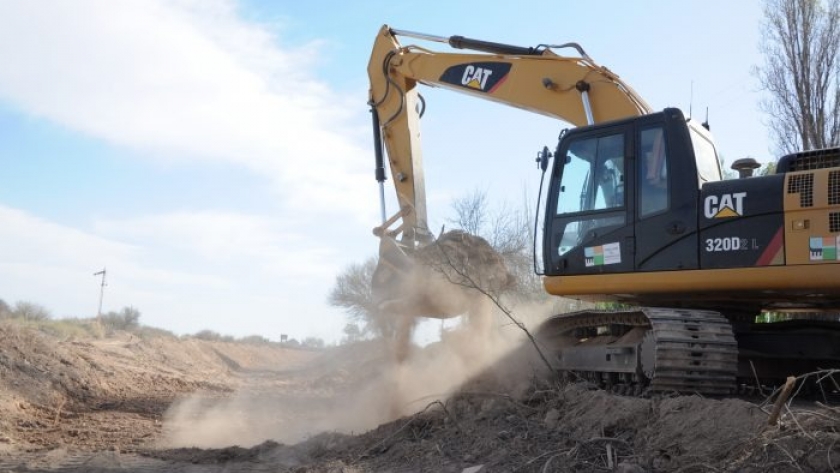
(187, 405)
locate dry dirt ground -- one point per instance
(166, 405)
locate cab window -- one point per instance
(593, 175)
(653, 175)
(591, 188)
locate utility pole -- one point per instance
(101, 294)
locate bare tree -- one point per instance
(470, 212)
(801, 73)
(352, 289)
(354, 293)
(31, 311)
(5, 310)
(508, 230)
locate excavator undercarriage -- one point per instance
(691, 351)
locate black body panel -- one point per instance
(741, 222)
(667, 240)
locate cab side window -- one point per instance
(591, 198)
(653, 175)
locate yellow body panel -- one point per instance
(810, 288)
(814, 278)
(810, 197)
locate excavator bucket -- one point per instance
(443, 279)
(398, 287)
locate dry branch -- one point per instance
(780, 401)
(470, 283)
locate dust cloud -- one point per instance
(350, 389)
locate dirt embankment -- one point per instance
(112, 393)
(166, 405)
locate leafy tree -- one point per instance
(767, 169)
(127, 319)
(255, 340)
(352, 333)
(208, 335)
(801, 73)
(293, 343)
(313, 342)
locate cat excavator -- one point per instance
(637, 213)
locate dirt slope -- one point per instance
(167, 405)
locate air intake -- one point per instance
(834, 188)
(809, 160)
(802, 184)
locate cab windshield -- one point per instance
(708, 166)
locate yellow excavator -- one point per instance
(636, 212)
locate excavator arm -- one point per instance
(573, 89)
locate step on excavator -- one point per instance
(636, 212)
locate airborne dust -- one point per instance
(352, 391)
(370, 384)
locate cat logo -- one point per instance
(478, 76)
(725, 206)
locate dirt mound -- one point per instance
(569, 428)
(111, 393)
(446, 278)
(468, 261)
(109, 405)
(514, 416)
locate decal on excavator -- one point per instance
(481, 76)
(601, 255)
(824, 248)
(724, 206)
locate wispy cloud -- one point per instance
(187, 80)
(224, 238)
(185, 272)
(52, 264)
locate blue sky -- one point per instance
(216, 155)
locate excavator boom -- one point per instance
(573, 89)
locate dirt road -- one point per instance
(169, 405)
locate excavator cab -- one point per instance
(613, 205)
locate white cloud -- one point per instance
(237, 274)
(29, 239)
(188, 80)
(222, 238)
(52, 264)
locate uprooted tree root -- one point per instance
(573, 428)
(462, 265)
(805, 440)
(801, 435)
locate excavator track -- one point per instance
(646, 350)
(694, 351)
